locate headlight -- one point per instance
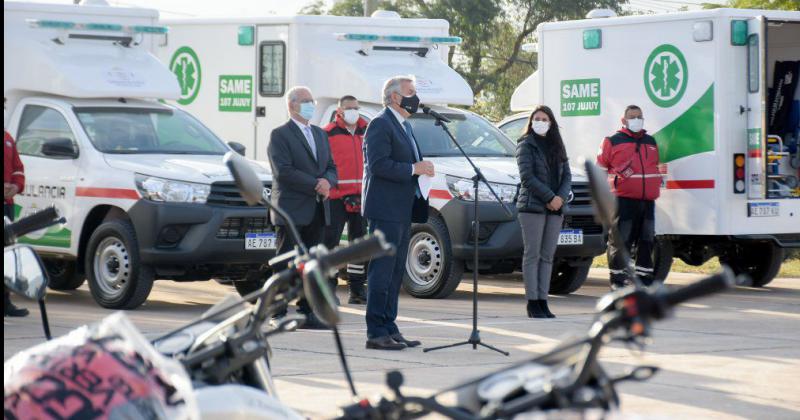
(169, 191)
(462, 188)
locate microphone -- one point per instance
(426, 109)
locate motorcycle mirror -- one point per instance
(23, 272)
(250, 187)
(603, 201)
(319, 294)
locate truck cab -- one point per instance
(142, 184)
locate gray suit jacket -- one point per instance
(295, 172)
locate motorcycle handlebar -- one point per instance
(359, 251)
(707, 286)
(28, 224)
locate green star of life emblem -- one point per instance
(186, 67)
(665, 75)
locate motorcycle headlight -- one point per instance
(170, 191)
(461, 188)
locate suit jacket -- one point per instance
(389, 187)
(295, 172)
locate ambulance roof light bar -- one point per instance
(448, 40)
(105, 27)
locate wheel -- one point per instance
(759, 260)
(117, 277)
(431, 270)
(568, 278)
(62, 274)
(663, 252)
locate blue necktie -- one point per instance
(412, 140)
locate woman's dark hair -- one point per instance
(553, 134)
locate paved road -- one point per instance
(733, 355)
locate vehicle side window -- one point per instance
(272, 68)
(514, 129)
(38, 125)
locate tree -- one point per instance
(757, 4)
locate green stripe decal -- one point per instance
(691, 133)
(57, 236)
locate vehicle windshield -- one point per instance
(473, 133)
(148, 131)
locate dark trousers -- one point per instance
(311, 235)
(636, 225)
(384, 278)
(8, 211)
(356, 228)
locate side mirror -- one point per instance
(250, 186)
(603, 201)
(237, 147)
(23, 272)
(59, 147)
(319, 294)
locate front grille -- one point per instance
(236, 227)
(587, 223)
(227, 194)
(582, 196)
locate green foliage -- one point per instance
(757, 4)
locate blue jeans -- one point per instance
(384, 278)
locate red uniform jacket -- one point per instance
(631, 160)
(348, 156)
(13, 171)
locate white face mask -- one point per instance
(350, 116)
(540, 127)
(635, 124)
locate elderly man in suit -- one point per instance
(303, 175)
(391, 201)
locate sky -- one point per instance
(210, 8)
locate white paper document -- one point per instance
(425, 182)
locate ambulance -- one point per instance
(234, 75)
(719, 92)
(141, 183)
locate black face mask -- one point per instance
(410, 104)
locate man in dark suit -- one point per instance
(391, 201)
(303, 174)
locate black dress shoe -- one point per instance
(384, 343)
(13, 311)
(312, 322)
(545, 309)
(409, 343)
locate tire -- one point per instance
(663, 253)
(117, 277)
(63, 274)
(431, 270)
(568, 278)
(759, 260)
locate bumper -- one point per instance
(500, 235)
(191, 237)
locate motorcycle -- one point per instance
(225, 352)
(567, 381)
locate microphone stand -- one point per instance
(475, 336)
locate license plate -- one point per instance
(260, 241)
(763, 209)
(571, 237)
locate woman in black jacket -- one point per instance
(545, 184)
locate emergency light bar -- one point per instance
(451, 40)
(106, 27)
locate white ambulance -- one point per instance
(719, 90)
(234, 75)
(141, 184)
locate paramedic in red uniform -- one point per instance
(631, 158)
(346, 136)
(13, 183)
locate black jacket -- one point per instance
(534, 175)
(295, 172)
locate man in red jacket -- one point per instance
(346, 136)
(13, 183)
(631, 158)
